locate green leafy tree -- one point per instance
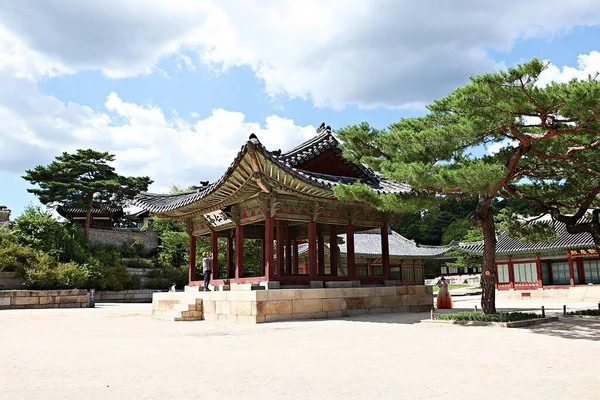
(547, 137)
(82, 180)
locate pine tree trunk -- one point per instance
(88, 217)
(484, 219)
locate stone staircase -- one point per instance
(180, 309)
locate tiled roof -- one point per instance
(160, 203)
(323, 141)
(368, 243)
(95, 210)
(507, 245)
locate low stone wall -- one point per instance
(9, 280)
(124, 296)
(258, 306)
(117, 238)
(573, 293)
(14, 299)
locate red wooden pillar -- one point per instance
(214, 249)
(312, 249)
(262, 257)
(511, 275)
(350, 251)
(288, 250)
(580, 272)
(385, 253)
(538, 264)
(320, 254)
(333, 250)
(295, 258)
(571, 272)
(239, 251)
(192, 260)
(230, 263)
(280, 246)
(269, 268)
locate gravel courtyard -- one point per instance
(121, 352)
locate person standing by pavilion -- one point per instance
(444, 300)
(207, 269)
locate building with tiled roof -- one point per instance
(284, 198)
(569, 260)
(5, 222)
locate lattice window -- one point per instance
(503, 276)
(525, 272)
(591, 271)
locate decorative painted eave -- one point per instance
(254, 169)
(508, 246)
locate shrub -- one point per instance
(479, 316)
(45, 273)
(14, 256)
(586, 312)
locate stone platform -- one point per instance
(580, 293)
(258, 306)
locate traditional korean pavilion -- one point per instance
(102, 217)
(570, 260)
(285, 200)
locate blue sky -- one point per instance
(176, 91)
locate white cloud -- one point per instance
(497, 146)
(396, 53)
(587, 65)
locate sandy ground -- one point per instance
(121, 352)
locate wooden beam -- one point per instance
(230, 263)
(571, 272)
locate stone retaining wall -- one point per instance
(573, 293)
(14, 299)
(124, 296)
(117, 238)
(259, 306)
(9, 280)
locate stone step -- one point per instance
(177, 319)
(188, 307)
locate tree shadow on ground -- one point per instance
(570, 328)
(390, 318)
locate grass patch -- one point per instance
(450, 287)
(479, 316)
(585, 312)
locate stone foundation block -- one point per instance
(307, 294)
(307, 306)
(332, 293)
(25, 300)
(209, 307)
(402, 290)
(392, 283)
(429, 289)
(247, 319)
(374, 302)
(270, 285)
(364, 292)
(222, 307)
(420, 290)
(43, 300)
(356, 303)
(274, 307)
(241, 308)
(249, 295)
(4, 301)
(386, 291)
(400, 309)
(392, 301)
(316, 284)
(338, 284)
(284, 294)
(310, 315)
(334, 304)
